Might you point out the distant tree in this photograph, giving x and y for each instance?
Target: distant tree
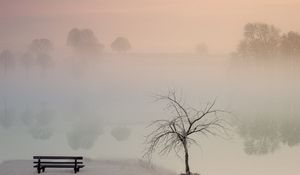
(41, 46)
(41, 50)
(290, 44)
(121, 44)
(84, 41)
(7, 61)
(180, 131)
(201, 49)
(260, 41)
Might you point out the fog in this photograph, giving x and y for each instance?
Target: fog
(78, 78)
(105, 109)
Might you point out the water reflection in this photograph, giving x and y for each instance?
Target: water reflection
(121, 133)
(290, 131)
(39, 124)
(84, 134)
(7, 61)
(6, 115)
(263, 135)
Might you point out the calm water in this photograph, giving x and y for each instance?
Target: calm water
(73, 108)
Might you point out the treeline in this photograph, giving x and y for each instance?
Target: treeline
(85, 42)
(39, 53)
(263, 41)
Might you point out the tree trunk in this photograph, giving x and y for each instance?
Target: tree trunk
(187, 166)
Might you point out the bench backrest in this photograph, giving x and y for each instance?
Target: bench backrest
(59, 157)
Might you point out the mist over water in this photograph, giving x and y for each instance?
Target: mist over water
(100, 106)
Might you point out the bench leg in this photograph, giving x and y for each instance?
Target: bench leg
(44, 169)
(39, 166)
(75, 170)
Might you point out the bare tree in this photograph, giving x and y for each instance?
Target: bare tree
(178, 132)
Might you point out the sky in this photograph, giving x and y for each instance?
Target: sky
(150, 25)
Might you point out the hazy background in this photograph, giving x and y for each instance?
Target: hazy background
(98, 105)
(152, 25)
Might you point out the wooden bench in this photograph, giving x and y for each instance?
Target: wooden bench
(43, 162)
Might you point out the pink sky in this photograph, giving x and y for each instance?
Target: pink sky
(151, 25)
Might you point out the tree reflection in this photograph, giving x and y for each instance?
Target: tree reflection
(264, 135)
(6, 115)
(120, 133)
(84, 134)
(39, 124)
(290, 131)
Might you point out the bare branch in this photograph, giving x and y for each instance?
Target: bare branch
(176, 134)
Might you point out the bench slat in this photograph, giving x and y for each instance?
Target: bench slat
(58, 157)
(59, 166)
(58, 162)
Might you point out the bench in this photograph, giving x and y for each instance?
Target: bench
(43, 162)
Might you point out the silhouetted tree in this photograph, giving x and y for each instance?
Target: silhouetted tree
(41, 50)
(84, 41)
(260, 41)
(121, 44)
(290, 44)
(41, 46)
(7, 61)
(177, 133)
